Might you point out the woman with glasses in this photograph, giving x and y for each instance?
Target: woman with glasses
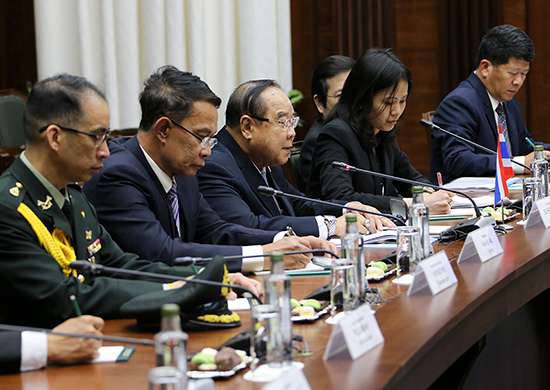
(360, 131)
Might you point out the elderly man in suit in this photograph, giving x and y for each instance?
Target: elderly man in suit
(485, 100)
(147, 194)
(255, 142)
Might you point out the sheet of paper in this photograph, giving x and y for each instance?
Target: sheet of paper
(108, 354)
(238, 304)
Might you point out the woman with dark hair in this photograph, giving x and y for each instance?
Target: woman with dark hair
(360, 131)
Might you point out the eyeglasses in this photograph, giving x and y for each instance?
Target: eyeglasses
(288, 123)
(99, 137)
(206, 142)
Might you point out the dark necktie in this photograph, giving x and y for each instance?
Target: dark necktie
(174, 206)
(264, 174)
(502, 124)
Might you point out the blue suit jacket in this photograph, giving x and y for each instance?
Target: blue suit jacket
(229, 182)
(467, 111)
(133, 206)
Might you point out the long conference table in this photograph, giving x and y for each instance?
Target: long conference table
(488, 331)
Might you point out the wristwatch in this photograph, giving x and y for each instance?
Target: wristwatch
(330, 223)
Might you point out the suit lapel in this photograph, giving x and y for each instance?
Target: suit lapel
(159, 195)
(249, 171)
(488, 108)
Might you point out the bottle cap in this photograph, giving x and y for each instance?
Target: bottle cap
(170, 309)
(539, 148)
(351, 218)
(276, 257)
(417, 189)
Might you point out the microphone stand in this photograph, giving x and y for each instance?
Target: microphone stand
(273, 192)
(98, 269)
(432, 126)
(454, 232)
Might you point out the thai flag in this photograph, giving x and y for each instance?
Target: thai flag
(504, 168)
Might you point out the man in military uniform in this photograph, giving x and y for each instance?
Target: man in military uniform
(46, 221)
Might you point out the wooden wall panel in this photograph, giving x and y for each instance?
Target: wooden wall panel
(324, 27)
(17, 45)
(418, 46)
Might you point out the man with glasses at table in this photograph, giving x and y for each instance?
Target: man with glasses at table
(255, 142)
(147, 195)
(46, 222)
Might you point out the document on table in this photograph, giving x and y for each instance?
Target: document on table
(479, 183)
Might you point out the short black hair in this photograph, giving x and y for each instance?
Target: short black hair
(56, 99)
(504, 42)
(170, 91)
(326, 69)
(375, 71)
(245, 99)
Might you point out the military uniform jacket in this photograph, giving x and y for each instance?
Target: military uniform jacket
(33, 287)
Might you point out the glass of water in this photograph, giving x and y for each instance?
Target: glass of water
(166, 378)
(266, 343)
(343, 294)
(531, 193)
(409, 249)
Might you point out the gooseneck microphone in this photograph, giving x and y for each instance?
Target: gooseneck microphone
(113, 339)
(350, 168)
(98, 269)
(456, 232)
(188, 260)
(273, 192)
(432, 126)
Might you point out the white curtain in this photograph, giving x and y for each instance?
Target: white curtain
(117, 44)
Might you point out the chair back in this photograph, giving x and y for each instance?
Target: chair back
(12, 134)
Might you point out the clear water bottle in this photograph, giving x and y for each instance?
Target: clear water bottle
(420, 218)
(277, 289)
(352, 244)
(539, 167)
(171, 342)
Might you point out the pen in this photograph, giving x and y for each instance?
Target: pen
(290, 232)
(530, 142)
(439, 179)
(75, 305)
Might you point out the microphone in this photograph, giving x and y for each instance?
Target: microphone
(113, 339)
(98, 269)
(273, 192)
(432, 125)
(188, 260)
(450, 234)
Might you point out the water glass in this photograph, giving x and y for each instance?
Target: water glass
(266, 344)
(531, 193)
(343, 288)
(166, 378)
(409, 249)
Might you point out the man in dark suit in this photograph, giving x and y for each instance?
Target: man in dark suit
(25, 351)
(147, 194)
(46, 222)
(255, 142)
(480, 103)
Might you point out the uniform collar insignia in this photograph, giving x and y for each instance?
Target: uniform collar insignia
(45, 204)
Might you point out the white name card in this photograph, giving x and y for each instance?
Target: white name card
(434, 272)
(481, 244)
(355, 334)
(540, 213)
(292, 379)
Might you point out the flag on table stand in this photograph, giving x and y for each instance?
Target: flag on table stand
(504, 169)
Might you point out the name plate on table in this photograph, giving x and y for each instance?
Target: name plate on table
(292, 379)
(434, 272)
(355, 334)
(481, 244)
(540, 213)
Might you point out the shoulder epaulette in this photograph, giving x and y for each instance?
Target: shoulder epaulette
(12, 191)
